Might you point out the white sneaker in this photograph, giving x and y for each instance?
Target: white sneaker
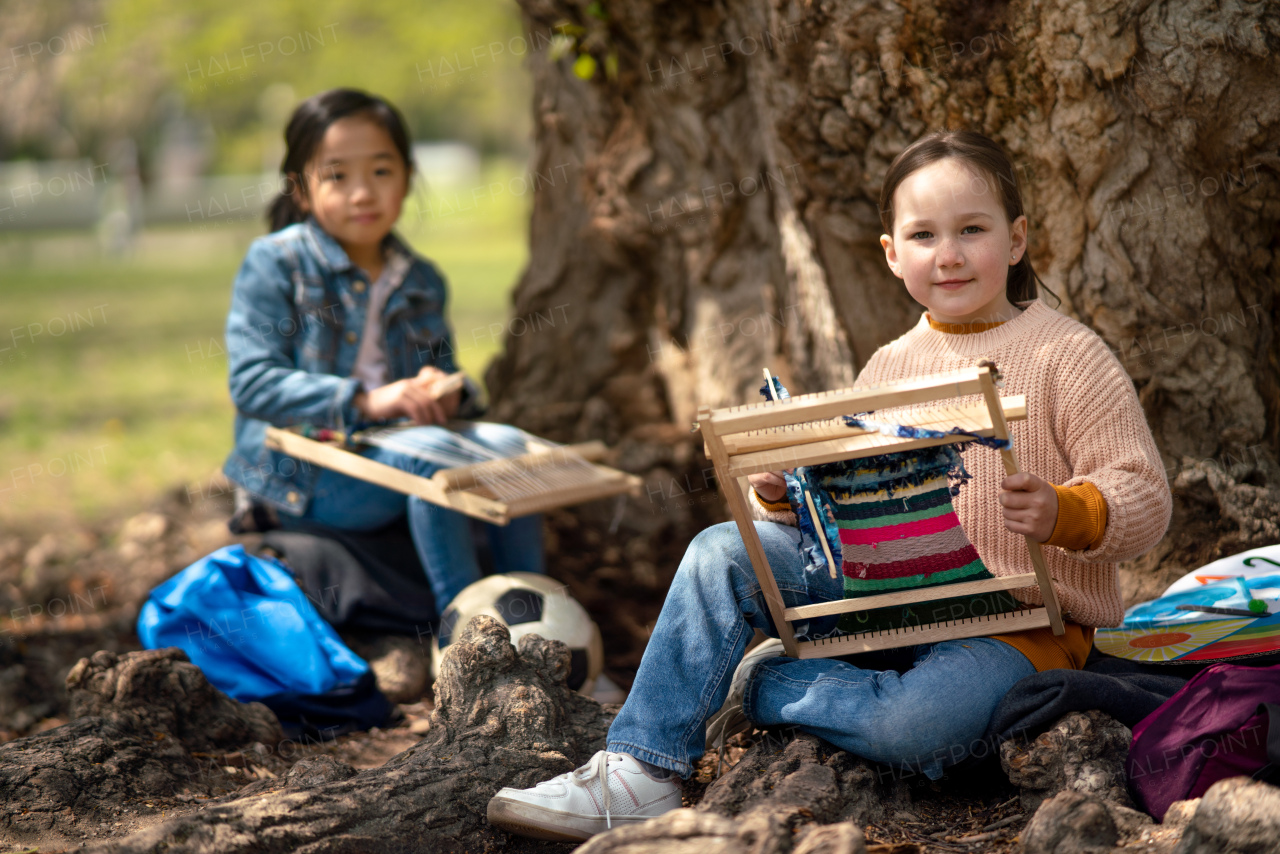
(575, 806)
(730, 719)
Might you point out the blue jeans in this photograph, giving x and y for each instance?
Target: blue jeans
(442, 537)
(930, 716)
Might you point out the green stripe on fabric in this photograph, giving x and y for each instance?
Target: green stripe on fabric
(921, 613)
(861, 506)
(975, 568)
(896, 519)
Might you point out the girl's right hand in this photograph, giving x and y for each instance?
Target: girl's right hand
(408, 398)
(771, 486)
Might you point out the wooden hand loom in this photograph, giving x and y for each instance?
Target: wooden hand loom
(808, 430)
(544, 477)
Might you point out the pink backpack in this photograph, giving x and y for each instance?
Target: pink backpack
(1225, 722)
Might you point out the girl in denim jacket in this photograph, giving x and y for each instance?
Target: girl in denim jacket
(334, 320)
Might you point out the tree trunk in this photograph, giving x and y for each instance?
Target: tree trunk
(719, 213)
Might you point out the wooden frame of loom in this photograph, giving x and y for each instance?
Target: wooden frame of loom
(808, 430)
(462, 488)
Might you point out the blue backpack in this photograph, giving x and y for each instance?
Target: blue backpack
(243, 620)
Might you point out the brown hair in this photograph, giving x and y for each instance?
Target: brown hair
(984, 156)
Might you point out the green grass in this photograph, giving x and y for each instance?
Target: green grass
(129, 399)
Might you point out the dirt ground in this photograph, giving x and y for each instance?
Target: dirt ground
(67, 593)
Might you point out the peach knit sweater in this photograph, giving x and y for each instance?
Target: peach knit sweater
(1084, 425)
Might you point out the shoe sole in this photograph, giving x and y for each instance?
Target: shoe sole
(523, 819)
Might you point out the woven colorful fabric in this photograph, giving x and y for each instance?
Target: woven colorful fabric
(898, 530)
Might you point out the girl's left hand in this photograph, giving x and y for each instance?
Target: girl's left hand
(1030, 505)
(427, 378)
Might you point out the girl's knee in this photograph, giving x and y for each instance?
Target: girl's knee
(942, 734)
(720, 539)
(899, 739)
(716, 556)
(885, 714)
(715, 549)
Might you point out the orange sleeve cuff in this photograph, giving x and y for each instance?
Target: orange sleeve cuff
(782, 506)
(1082, 517)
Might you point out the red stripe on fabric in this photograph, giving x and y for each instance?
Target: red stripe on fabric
(920, 566)
(891, 550)
(918, 528)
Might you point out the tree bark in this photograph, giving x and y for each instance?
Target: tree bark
(720, 213)
(504, 717)
(143, 723)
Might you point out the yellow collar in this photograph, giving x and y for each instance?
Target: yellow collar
(961, 328)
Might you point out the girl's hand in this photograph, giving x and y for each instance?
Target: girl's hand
(408, 398)
(1030, 505)
(769, 485)
(428, 377)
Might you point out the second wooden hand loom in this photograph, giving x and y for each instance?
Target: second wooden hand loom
(537, 477)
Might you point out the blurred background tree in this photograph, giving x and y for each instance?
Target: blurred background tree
(82, 75)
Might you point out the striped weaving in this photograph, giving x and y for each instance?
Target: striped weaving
(898, 530)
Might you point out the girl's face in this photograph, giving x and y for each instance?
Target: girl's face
(356, 184)
(952, 243)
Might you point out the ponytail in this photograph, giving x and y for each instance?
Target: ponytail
(284, 209)
(1023, 282)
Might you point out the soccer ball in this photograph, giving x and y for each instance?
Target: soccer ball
(528, 604)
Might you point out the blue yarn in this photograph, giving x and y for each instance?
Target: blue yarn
(797, 485)
(952, 456)
(908, 432)
(893, 471)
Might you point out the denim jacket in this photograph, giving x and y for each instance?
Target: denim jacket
(293, 332)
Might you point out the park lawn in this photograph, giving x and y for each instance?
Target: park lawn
(114, 385)
(105, 416)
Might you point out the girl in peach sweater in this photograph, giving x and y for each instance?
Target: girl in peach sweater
(1092, 489)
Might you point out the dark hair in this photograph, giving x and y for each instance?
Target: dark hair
(983, 155)
(306, 129)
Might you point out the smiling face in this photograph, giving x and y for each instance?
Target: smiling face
(356, 184)
(952, 243)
